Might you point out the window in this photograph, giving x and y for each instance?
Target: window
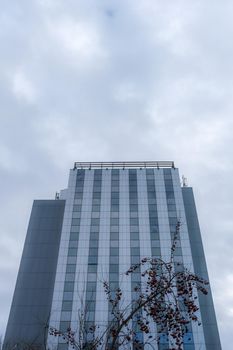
(171, 207)
(150, 177)
(92, 268)
(114, 251)
(171, 201)
(90, 295)
(114, 221)
(133, 221)
(93, 251)
(95, 208)
(114, 214)
(95, 221)
(114, 228)
(68, 286)
(114, 201)
(68, 296)
(133, 182)
(151, 195)
(169, 194)
(134, 244)
(135, 259)
(155, 251)
(91, 277)
(71, 260)
(151, 188)
(77, 208)
(133, 195)
(115, 173)
(172, 214)
(62, 346)
(96, 201)
(114, 244)
(70, 268)
(134, 228)
(72, 251)
(91, 306)
(167, 177)
(114, 235)
(113, 285)
(150, 182)
(67, 305)
(155, 243)
(114, 259)
(115, 182)
(151, 201)
(133, 207)
(114, 207)
(94, 229)
(65, 315)
(135, 251)
(153, 212)
(90, 315)
(133, 214)
(115, 194)
(78, 195)
(94, 236)
(74, 236)
(93, 260)
(114, 268)
(133, 201)
(63, 328)
(76, 214)
(94, 243)
(75, 222)
(91, 286)
(153, 221)
(136, 277)
(113, 277)
(154, 228)
(96, 195)
(154, 235)
(177, 251)
(173, 221)
(134, 235)
(70, 277)
(73, 244)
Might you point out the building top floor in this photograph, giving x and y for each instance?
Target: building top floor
(124, 165)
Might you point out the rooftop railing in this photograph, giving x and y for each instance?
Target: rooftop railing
(124, 165)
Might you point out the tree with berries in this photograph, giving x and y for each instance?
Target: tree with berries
(165, 300)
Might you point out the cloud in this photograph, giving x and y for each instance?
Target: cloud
(78, 40)
(23, 88)
(118, 81)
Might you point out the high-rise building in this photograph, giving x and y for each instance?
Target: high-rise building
(111, 216)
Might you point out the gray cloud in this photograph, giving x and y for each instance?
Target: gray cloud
(127, 80)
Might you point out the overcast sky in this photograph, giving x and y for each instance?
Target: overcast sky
(113, 80)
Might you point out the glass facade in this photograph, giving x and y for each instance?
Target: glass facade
(114, 217)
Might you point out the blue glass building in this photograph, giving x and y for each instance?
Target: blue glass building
(110, 216)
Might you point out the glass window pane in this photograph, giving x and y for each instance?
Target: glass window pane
(68, 286)
(73, 244)
(70, 277)
(68, 296)
(114, 244)
(67, 305)
(70, 268)
(93, 251)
